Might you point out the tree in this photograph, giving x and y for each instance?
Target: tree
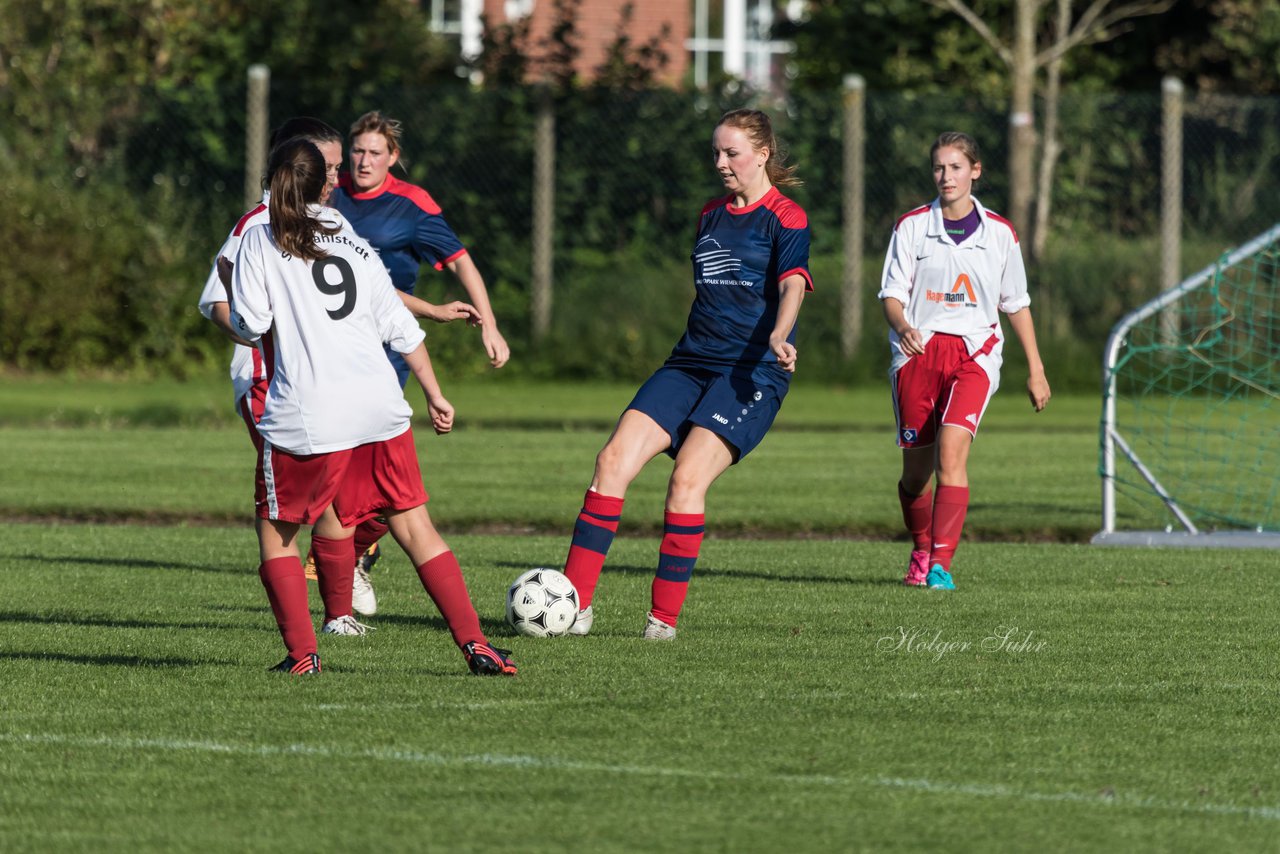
(1224, 45)
(1101, 20)
(86, 76)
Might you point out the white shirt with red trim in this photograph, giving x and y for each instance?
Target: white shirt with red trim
(245, 369)
(320, 326)
(956, 290)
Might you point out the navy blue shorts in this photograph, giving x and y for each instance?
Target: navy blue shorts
(738, 407)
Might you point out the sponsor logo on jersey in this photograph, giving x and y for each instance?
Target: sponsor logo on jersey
(716, 266)
(720, 418)
(961, 294)
(972, 419)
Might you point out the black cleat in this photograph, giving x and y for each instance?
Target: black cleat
(485, 660)
(308, 665)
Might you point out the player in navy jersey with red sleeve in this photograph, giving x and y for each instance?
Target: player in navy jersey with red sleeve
(951, 268)
(717, 394)
(406, 226)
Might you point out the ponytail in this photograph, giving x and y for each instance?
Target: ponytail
(296, 178)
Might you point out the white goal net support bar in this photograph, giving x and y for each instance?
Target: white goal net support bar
(1191, 403)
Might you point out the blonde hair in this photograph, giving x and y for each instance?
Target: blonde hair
(759, 130)
(375, 122)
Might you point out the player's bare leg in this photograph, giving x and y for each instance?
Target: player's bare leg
(635, 441)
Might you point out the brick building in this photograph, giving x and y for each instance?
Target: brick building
(702, 37)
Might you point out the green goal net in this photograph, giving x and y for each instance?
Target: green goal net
(1190, 437)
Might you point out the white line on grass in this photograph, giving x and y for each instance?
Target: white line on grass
(982, 790)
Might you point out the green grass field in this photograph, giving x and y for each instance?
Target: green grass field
(1065, 698)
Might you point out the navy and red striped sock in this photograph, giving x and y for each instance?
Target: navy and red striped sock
(592, 535)
(681, 542)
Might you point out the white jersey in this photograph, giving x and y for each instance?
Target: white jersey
(246, 367)
(955, 289)
(320, 326)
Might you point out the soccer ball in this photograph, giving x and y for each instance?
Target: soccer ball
(542, 603)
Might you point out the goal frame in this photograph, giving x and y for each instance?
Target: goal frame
(1112, 440)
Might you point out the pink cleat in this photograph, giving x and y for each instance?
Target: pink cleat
(917, 569)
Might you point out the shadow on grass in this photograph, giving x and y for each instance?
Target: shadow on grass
(123, 563)
(624, 569)
(108, 660)
(112, 623)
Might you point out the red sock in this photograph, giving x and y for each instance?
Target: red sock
(592, 536)
(681, 541)
(335, 568)
(369, 532)
(287, 591)
(949, 507)
(917, 514)
(442, 577)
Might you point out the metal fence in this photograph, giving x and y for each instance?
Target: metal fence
(632, 170)
(473, 149)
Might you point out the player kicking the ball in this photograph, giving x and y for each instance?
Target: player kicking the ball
(717, 394)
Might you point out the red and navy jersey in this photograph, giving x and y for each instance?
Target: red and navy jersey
(403, 223)
(740, 256)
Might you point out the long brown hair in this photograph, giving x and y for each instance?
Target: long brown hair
(756, 125)
(296, 178)
(961, 142)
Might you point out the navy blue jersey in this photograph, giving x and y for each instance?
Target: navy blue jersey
(403, 223)
(740, 256)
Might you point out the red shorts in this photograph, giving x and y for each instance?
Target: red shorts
(359, 482)
(945, 385)
(251, 406)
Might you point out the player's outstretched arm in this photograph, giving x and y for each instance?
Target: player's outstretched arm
(440, 409)
(450, 311)
(494, 344)
(1037, 382)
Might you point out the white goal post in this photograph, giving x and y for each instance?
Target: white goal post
(1191, 406)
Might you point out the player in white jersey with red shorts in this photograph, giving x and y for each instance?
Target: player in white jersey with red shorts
(951, 266)
(337, 447)
(248, 374)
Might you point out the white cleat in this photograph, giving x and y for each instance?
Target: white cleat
(362, 598)
(346, 625)
(655, 629)
(582, 625)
